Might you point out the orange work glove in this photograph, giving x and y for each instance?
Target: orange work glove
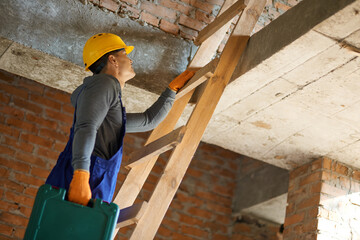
(181, 80)
(79, 190)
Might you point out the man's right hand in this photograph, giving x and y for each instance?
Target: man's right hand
(79, 190)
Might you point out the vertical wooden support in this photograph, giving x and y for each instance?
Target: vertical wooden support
(183, 153)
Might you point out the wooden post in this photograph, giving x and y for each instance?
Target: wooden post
(183, 153)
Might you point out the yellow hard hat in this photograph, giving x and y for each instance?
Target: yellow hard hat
(100, 44)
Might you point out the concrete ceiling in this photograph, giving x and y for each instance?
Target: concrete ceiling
(293, 97)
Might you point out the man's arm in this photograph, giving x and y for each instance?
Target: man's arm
(148, 120)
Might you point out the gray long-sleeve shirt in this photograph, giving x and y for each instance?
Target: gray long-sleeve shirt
(98, 123)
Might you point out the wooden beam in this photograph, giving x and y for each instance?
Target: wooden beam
(200, 76)
(155, 148)
(131, 215)
(220, 21)
(183, 153)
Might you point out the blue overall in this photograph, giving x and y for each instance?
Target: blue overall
(103, 173)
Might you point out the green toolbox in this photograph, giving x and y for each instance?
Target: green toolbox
(55, 218)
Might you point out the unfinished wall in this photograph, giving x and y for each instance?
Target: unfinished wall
(323, 202)
(184, 18)
(35, 121)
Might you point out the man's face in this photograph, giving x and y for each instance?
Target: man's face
(125, 66)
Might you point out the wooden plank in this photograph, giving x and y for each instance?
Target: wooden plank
(131, 215)
(156, 147)
(200, 76)
(183, 153)
(220, 21)
(208, 48)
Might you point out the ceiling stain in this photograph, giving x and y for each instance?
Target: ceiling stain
(261, 124)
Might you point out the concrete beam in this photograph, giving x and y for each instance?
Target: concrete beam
(61, 28)
(258, 183)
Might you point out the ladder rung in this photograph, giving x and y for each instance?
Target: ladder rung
(200, 76)
(220, 21)
(156, 147)
(131, 215)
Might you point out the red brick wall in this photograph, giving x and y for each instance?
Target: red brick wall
(35, 122)
(323, 201)
(185, 18)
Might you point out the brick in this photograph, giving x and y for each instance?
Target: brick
(296, 218)
(58, 95)
(317, 164)
(110, 5)
(13, 90)
(29, 158)
(29, 127)
(242, 227)
(170, 224)
(32, 191)
(312, 178)
(188, 33)
(164, 232)
(46, 142)
(159, 11)
(200, 213)
(151, 19)
(4, 98)
(7, 77)
(16, 165)
(27, 105)
(339, 168)
(204, 17)
(356, 175)
(6, 229)
(298, 172)
(52, 134)
(13, 219)
(226, 220)
(313, 201)
(218, 208)
(54, 115)
(45, 101)
(282, 6)
(29, 179)
(176, 6)
(19, 233)
(127, 10)
(4, 172)
(216, 2)
(40, 172)
(214, 197)
(6, 150)
(332, 190)
(223, 190)
(316, 188)
(216, 227)
(10, 131)
(48, 153)
(188, 199)
(207, 7)
(327, 163)
(132, 2)
(67, 108)
(32, 87)
(18, 145)
(191, 23)
(190, 220)
(11, 111)
(194, 231)
(312, 213)
(9, 184)
(40, 121)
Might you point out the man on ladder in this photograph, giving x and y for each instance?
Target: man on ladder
(89, 165)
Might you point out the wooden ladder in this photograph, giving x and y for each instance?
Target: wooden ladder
(185, 140)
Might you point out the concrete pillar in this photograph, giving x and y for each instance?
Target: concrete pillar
(323, 202)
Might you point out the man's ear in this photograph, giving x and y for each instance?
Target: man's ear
(112, 60)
